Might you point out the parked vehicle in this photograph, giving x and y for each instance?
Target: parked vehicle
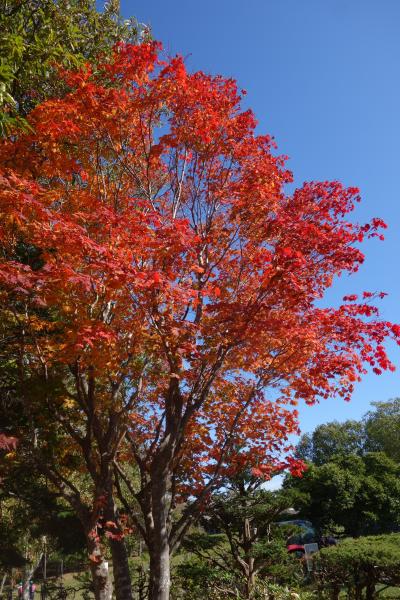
(307, 535)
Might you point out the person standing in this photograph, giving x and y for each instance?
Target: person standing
(32, 590)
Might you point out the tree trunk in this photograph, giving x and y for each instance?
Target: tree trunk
(358, 591)
(121, 573)
(335, 593)
(159, 574)
(160, 581)
(102, 586)
(248, 545)
(370, 593)
(28, 577)
(2, 584)
(250, 583)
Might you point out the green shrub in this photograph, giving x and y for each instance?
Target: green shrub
(359, 565)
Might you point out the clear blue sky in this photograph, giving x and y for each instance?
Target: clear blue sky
(323, 77)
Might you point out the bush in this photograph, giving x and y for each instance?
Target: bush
(359, 565)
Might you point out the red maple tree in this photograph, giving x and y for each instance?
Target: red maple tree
(179, 283)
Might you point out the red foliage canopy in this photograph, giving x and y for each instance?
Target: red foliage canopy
(174, 265)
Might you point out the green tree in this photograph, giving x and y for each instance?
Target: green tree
(361, 494)
(38, 34)
(378, 431)
(382, 427)
(330, 439)
(241, 541)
